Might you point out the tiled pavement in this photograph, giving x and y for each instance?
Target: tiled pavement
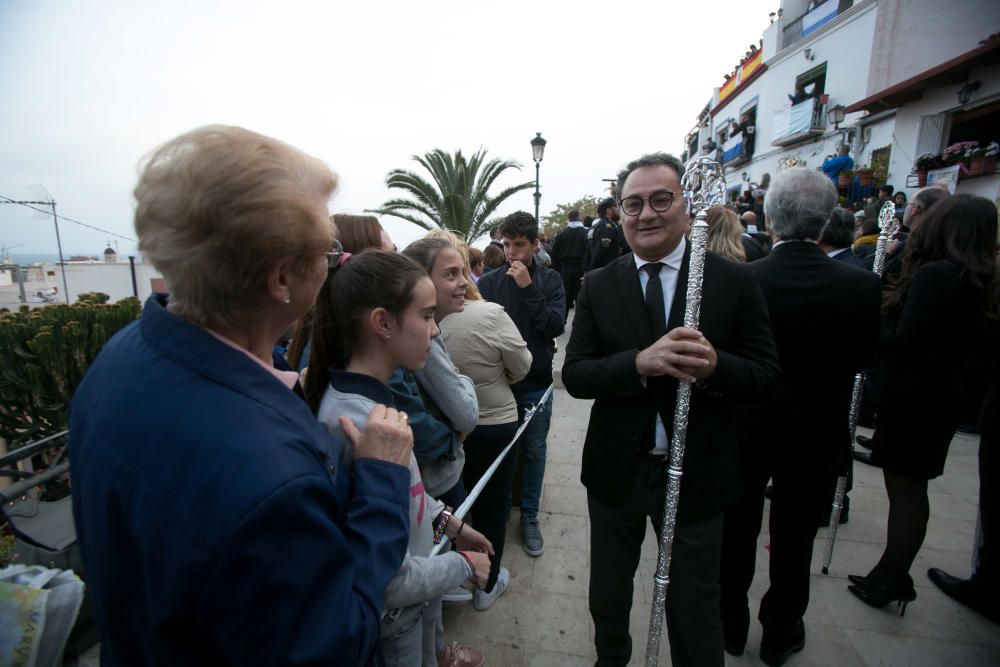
(543, 619)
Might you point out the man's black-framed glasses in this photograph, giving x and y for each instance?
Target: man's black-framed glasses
(660, 201)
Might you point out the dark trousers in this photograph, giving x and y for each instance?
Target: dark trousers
(571, 273)
(800, 494)
(490, 511)
(692, 608)
(987, 573)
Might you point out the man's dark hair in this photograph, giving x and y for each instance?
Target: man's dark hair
(870, 227)
(603, 207)
(887, 189)
(588, 220)
(519, 223)
(649, 160)
(838, 232)
(573, 215)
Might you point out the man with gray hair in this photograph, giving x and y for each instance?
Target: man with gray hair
(825, 316)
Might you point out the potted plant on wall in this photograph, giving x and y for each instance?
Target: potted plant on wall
(983, 159)
(925, 163)
(866, 176)
(845, 178)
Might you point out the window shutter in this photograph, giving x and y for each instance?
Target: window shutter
(930, 137)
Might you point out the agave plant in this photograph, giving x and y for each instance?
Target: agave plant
(46, 352)
(457, 197)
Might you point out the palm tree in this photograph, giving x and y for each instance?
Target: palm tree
(458, 199)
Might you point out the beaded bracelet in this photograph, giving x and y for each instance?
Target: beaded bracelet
(441, 523)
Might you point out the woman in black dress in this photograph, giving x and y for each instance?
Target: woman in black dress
(935, 327)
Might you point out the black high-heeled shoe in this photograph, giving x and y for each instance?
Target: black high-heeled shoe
(860, 579)
(878, 595)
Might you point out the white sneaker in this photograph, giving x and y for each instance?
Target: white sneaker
(482, 600)
(457, 594)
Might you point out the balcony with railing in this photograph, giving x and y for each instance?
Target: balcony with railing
(799, 122)
(812, 20)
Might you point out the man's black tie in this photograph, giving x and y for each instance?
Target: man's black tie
(654, 300)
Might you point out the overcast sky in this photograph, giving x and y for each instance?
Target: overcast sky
(90, 87)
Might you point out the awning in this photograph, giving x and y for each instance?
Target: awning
(952, 71)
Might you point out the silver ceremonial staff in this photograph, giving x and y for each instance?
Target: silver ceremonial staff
(704, 185)
(888, 226)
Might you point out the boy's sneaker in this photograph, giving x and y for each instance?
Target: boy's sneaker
(482, 600)
(457, 594)
(456, 655)
(531, 537)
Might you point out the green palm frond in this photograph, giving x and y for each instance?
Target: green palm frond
(457, 196)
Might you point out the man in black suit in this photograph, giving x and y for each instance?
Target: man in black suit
(825, 316)
(628, 350)
(837, 236)
(567, 256)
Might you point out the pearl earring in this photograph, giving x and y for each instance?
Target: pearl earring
(287, 300)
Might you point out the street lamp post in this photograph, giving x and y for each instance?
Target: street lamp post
(537, 152)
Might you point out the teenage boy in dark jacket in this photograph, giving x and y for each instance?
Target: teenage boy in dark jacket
(534, 297)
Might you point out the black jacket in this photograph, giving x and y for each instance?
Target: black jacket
(537, 310)
(609, 329)
(569, 247)
(825, 316)
(605, 243)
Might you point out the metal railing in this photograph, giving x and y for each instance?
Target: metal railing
(792, 32)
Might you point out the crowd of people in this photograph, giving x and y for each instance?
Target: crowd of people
(239, 504)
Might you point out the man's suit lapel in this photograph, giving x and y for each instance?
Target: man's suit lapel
(630, 291)
(676, 318)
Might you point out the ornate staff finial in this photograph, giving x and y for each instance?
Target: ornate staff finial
(704, 184)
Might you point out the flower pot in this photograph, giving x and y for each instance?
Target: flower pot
(866, 178)
(921, 179)
(843, 180)
(975, 166)
(990, 164)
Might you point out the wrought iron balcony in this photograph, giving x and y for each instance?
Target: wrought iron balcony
(794, 31)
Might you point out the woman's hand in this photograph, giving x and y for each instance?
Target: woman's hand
(468, 538)
(480, 563)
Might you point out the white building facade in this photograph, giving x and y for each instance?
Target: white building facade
(892, 67)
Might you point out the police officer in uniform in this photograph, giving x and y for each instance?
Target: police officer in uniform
(605, 240)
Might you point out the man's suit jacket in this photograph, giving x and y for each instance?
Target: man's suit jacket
(847, 255)
(825, 316)
(609, 329)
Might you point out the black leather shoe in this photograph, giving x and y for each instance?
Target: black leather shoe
(865, 457)
(864, 441)
(776, 648)
(735, 649)
(965, 592)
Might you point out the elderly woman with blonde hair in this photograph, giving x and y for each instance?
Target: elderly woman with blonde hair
(215, 520)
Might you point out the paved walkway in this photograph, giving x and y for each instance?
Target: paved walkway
(543, 619)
